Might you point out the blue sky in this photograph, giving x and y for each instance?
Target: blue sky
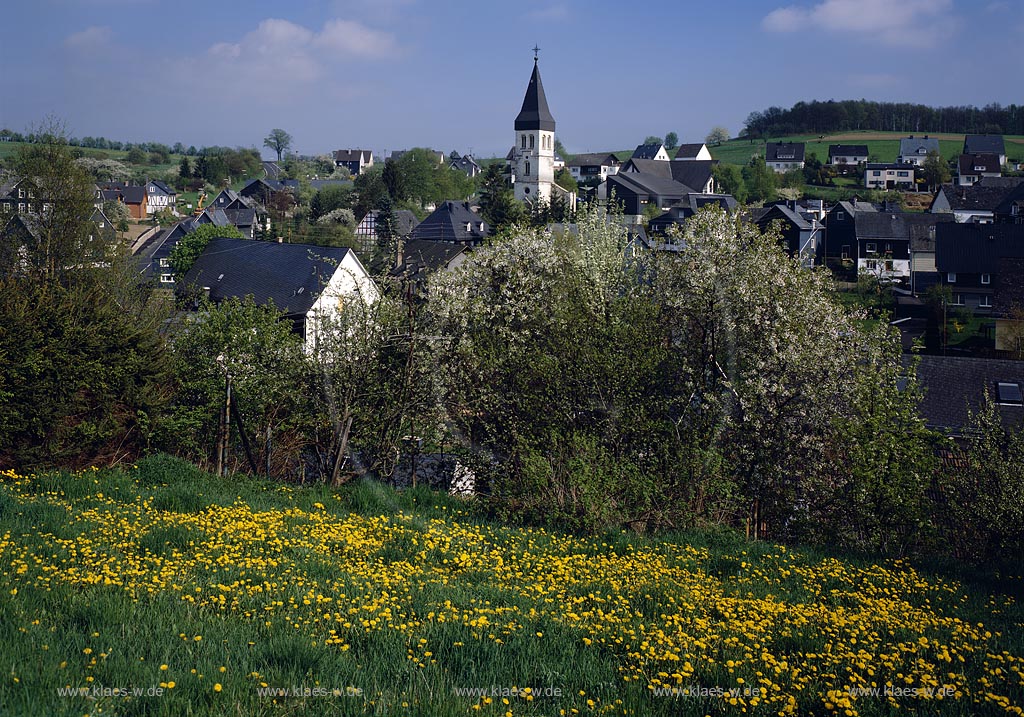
(450, 74)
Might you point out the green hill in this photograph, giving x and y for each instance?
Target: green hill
(232, 596)
(883, 145)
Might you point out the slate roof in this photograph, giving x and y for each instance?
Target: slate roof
(984, 195)
(647, 151)
(689, 150)
(648, 183)
(984, 144)
(162, 187)
(917, 146)
(693, 173)
(922, 234)
(291, 275)
(596, 159)
(847, 150)
(422, 256)
(784, 152)
(690, 205)
(901, 226)
(976, 248)
(953, 385)
(787, 212)
(534, 113)
(1014, 196)
(352, 155)
(129, 193)
(448, 223)
(979, 163)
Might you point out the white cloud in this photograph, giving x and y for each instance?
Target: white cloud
(909, 23)
(280, 61)
(349, 37)
(89, 40)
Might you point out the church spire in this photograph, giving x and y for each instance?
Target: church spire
(535, 114)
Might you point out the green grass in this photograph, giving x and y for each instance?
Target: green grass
(884, 145)
(162, 573)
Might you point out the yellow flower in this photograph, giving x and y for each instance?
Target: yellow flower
(217, 687)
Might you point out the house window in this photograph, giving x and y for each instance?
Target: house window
(986, 301)
(951, 277)
(902, 174)
(21, 206)
(876, 173)
(167, 278)
(469, 226)
(21, 194)
(871, 248)
(957, 300)
(164, 263)
(871, 264)
(846, 251)
(986, 278)
(840, 216)
(7, 206)
(102, 225)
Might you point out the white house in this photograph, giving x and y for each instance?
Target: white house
(914, 150)
(693, 152)
(305, 282)
(781, 157)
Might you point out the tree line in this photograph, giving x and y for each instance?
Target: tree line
(818, 117)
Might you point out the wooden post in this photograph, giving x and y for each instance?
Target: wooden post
(227, 422)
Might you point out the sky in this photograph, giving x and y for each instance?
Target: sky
(451, 74)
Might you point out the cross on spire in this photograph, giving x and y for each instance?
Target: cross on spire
(535, 51)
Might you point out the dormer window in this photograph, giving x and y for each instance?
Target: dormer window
(469, 226)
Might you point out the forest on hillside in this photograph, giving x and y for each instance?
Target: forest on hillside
(817, 117)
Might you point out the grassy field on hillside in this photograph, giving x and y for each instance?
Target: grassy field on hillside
(884, 145)
(236, 597)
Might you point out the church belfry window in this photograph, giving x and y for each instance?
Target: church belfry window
(524, 141)
(531, 141)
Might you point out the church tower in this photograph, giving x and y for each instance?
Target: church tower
(534, 148)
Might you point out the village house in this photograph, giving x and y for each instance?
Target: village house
(781, 157)
(306, 282)
(847, 156)
(914, 150)
(356, 161)
(972, 167)
(986, 144)
(881, 176)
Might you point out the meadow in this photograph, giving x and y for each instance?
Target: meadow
(883, 145)
(236, 596)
